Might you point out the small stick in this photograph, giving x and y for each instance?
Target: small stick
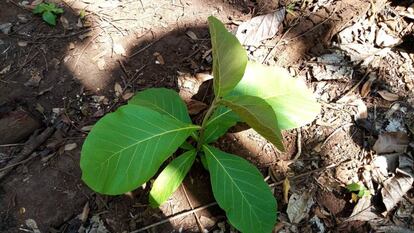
(24, 64)
(13, 144)
(307, 173)
(18, 163)
(348, 93)
(200, 227)
(171, 218)
(299, 145)
(335, 132)
(31, 145)
(84, 48)
(144, 48)
(64, 36)
(121, 64)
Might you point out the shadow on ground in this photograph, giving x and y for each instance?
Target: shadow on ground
(72, 80)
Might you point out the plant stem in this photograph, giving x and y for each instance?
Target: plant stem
(210, 111)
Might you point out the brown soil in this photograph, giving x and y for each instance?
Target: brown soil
(65, 76)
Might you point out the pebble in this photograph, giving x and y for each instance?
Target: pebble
(5, 28)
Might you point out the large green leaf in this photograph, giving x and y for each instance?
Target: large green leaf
(229, 58)
(170, 178)
(259, 115)
(220, 121)
(241, 192)
(164, 101)
(291, 100)
(126, 148)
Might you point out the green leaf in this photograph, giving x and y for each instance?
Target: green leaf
(220, 121)
(49, 18)
(229, 58)
(126, 148)
(204, 161)
(55, 9)
(241, 192)
(259, 115)
(170, 178)
(353, 187)
(290, 99)
(164, 101)
(40, 8)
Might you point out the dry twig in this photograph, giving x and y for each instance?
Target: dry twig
(34, 142)
(177, 216)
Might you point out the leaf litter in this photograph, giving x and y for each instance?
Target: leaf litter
(261, 27)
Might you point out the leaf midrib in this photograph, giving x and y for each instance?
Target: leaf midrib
(223, 167)
(254, 116)
(146, 139)
(161, 109)
(217, 117)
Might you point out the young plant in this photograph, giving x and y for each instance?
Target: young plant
(49, 11)
(126, 148)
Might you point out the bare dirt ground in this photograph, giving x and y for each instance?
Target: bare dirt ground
(55, 82)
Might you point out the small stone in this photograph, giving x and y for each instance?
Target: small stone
(5, 28)
(22, 43)
(23, 18)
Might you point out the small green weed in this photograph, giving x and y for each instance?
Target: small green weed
(49, 11)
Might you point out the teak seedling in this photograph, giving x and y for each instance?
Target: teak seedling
(126, 148)
(48, 12)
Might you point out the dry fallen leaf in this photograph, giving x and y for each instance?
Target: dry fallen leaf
(391, 142)
(192, 35)
(299, 206)
(388, 95)
(195, 107)
(36, 2)
(71, 146)
(87, 128)
(362, 109)
(260, 28)
(395, 188)
(40, 108)
(32, 225)
(65, 22)
(366, 88)
(118, 89)
(85, 213)
(127, 95)
(363, 210)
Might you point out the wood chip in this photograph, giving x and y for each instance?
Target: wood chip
(71, 146)
(388, 95)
